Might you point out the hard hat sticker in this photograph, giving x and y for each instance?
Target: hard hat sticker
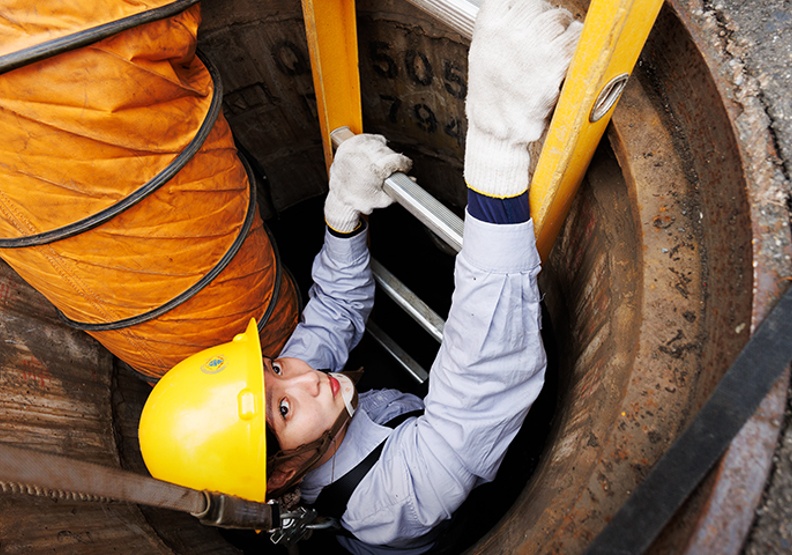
(214, 365)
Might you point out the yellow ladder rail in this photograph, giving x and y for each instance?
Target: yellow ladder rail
(331, 30)
(614, 33)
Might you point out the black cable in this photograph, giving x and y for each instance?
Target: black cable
(175, 165)
(85, 37)
(278, 278)
(191, 291)
(90, 36)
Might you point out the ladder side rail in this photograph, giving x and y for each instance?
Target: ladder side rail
(408, 301)
(401, 356)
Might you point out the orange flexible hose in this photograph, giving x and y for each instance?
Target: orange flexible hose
(86, 128)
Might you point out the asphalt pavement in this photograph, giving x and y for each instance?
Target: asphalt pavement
(757, 36)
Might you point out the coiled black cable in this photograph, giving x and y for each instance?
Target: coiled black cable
(90, 36)
(90, 222)
(201, 283)
(53, 47)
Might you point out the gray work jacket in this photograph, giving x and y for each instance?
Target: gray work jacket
(487, 374)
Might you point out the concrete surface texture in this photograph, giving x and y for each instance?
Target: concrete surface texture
(756, 42)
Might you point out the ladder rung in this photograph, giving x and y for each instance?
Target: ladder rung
(406, 361)
(427, 318)
(457, 14)
(427, 209)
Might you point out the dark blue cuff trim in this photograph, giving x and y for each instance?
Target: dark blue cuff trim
(362, 225)
(512, 210)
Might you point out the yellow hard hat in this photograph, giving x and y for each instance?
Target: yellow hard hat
(203, 425)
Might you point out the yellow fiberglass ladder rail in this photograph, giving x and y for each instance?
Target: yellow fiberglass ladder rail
(613, 35)
(331, 30)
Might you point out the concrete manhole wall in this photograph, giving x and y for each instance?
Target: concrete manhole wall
(676, 248)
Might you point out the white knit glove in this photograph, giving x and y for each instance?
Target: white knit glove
(360, 166)
(519, 55)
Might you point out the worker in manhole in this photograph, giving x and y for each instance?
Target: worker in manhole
(391, 467)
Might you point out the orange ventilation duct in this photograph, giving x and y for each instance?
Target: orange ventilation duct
(122, 198)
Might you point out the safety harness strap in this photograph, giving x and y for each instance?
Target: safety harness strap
(333, 500)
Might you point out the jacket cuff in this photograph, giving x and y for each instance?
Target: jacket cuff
(347, 246)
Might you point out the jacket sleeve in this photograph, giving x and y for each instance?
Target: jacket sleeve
(487, 374)
(340, 301)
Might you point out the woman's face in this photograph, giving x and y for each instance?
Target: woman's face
(302, 403)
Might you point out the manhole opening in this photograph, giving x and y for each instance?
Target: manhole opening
(404, 247)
